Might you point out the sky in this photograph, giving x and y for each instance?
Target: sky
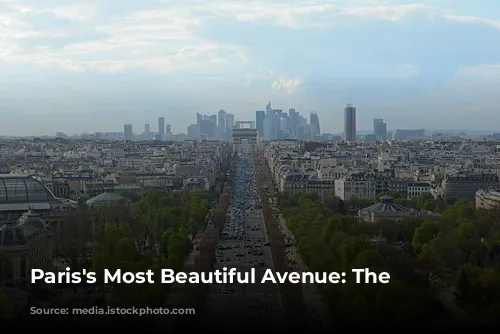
(94, 65)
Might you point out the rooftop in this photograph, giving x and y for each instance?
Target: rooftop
(20, 192)
(20, 232)
(386, 205)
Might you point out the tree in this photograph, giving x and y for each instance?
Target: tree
(494, 254)
(425, 233)
(125, 250)
(468, 283)
(131, 195)
(430, 263)
(490, 281)
(5, 267)
(334, 205)
(106, 254)
(420, 200)
(115, 214)
(447, 249)
(179, 246)
(390, 297)
(142, 230)
(349, 250)
(76, 233)
(369, 258)
(5, 307)
(165, 238)
(463, 244)
(466, 230)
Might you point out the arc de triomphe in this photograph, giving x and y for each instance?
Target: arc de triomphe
(240, 133)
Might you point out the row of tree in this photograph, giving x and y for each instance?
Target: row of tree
(291, 294)
(152, 231)
(459, 249)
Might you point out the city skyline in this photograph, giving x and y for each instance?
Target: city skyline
(94, 66)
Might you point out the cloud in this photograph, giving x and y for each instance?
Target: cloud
(309, 14)
(471, 19)
(390, 12)
(76, 13)
(290, 85)
(149, 39)
(406, 71)
(167, 36)
(479, 73)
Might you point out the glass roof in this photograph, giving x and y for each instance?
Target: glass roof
(23, 190)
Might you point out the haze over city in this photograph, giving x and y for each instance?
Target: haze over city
(93, 66)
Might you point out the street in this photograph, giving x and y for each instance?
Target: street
(244, 245)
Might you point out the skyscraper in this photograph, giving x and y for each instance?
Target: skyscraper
(127, 131)
(146, 129)
(229, 123)
(193, 132)
(161, 127)
(213, 132)
(315, 128)
(260, 116)
(222, 124)
(350, 123)
(380, 128)
(169, 129)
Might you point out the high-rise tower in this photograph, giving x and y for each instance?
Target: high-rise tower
(222, 124)
(127, 131)
(380, 128)
(161, 127)
(315, 128)
(350, 123)
(260, 117)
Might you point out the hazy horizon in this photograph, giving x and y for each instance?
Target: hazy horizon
(92, 66)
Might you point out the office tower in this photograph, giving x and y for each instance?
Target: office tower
(213, 133)
(161, 127)
(314, 121)
(168, 129)
(260, 117)
(301, 128)
(268, 107)
(222, 124)
(229, 121)
(199, 118)
(350, 123)
(146, 129)
(127, 131)
(272, 122)
(207, 128)
(293, 122)
(193, 132)
(379, 128)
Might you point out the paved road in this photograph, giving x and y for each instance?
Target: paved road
(243, 245)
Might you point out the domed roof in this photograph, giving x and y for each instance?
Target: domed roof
(23, 189)
(386, 205)
(32, 221)
(12, 234)
(386, 199)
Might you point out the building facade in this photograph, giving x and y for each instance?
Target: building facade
(350, 123)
